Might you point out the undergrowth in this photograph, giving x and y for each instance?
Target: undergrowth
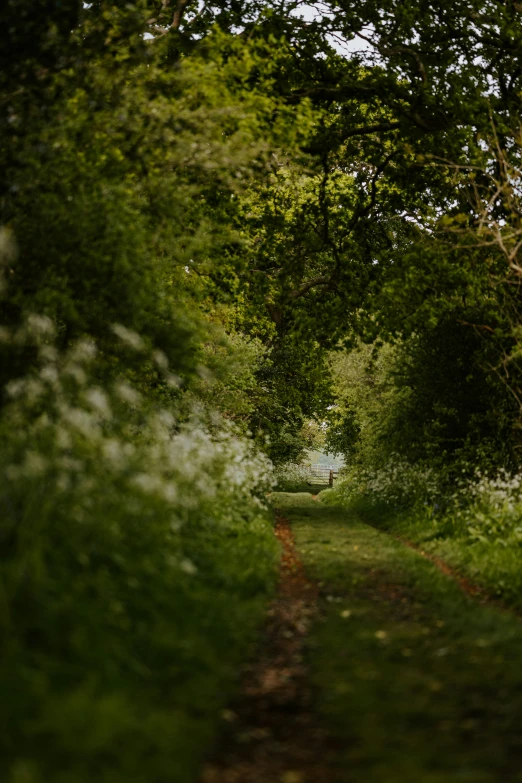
(474, 522)
(137, 552)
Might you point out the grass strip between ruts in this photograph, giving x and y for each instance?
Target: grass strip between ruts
(416, 681)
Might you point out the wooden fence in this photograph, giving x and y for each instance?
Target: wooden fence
(325, 473)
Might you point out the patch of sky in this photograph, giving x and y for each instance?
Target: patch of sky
(324, 459)
(319, 12)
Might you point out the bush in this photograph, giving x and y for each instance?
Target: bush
(396, 483)
(291, 476)
(136, 554)
(488, 508)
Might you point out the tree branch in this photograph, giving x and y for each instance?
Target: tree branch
(305, 287)
(476, 326)
(364, 210)
(180, 9)
(375, 128)
(178, 14)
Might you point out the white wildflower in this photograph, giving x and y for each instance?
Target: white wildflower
(83, 351)
(170, 492)
(48, 353)
(129, 449)
(173, 381)
(16, 388)
(160, 360)
(98, 400)
(42, 423)
(80, 420)
(70, 464)
(127, 336)
(188, 567)
(63, 438)
(146, 482)
(164, 418)
(76, 371)
(34, 389)
(204, 373)
(63, 482)
(39, 326)
(49, 375)
(127, 394)
(13, 472)
(8, 245)
(113, 453)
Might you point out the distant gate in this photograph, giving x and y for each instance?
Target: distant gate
(324, 473)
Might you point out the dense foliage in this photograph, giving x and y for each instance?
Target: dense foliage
(135, 561)
(221, 224)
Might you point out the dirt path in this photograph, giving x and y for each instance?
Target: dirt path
(412, 681)
(466, 585)
(274, 735)
(417, 678)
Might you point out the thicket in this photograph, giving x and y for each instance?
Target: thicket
(136, 554)
(136, 545)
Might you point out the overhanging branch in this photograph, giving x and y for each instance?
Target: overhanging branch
(309, 284)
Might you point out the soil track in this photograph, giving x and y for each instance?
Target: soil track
(465, 585)
(274, 735)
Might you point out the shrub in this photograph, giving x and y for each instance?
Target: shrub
(396, 483)
(480, 507)
(488, 508)
(136, 552)
(290, 476)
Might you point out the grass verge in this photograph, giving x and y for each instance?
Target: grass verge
(493, 565)
(416, 681)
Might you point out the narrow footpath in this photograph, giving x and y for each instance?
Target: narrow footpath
(274, 735)
(376, 666)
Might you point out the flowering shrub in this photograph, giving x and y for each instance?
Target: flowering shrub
(489, 508)
(396, 483)
(291, 475)
(486, 508)
(136, 551)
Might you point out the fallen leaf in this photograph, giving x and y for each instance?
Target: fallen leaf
(292, 776)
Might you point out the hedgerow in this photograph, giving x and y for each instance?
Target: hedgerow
(136, 555)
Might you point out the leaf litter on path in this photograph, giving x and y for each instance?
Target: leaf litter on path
(275, 735)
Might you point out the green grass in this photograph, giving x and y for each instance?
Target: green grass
(416, 682)
(314, 488)
(493, 565)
